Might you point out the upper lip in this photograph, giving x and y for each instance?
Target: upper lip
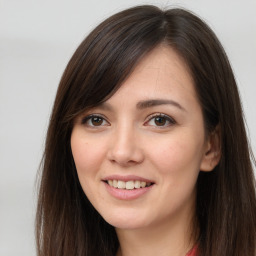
(126, 178)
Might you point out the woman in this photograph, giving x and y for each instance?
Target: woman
(146, 151)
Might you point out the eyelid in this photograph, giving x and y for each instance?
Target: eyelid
(148, 119)
(88, 117)
(168, 118)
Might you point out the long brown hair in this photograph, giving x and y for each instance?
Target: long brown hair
(66, 222)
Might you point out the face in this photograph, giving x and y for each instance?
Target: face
(138, 154)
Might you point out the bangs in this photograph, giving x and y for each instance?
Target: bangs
(108, 56)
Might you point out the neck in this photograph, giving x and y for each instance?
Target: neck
(171, 237)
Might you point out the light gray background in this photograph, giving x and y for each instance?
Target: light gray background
(37, 38)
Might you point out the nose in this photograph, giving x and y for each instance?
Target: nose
(125, 148)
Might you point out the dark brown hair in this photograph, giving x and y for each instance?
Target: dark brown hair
(66, 222)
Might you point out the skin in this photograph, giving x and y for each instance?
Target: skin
(130, 140)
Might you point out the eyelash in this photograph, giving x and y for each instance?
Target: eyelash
(167, 118)
(89, 118)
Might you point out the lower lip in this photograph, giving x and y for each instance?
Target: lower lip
(127, 194)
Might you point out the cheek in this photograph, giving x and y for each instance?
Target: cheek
(87, 156)
(178, 154)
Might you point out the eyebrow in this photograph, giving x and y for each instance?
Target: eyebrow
(158, 102)
(146, 104)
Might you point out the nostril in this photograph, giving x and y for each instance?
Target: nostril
(125, 152)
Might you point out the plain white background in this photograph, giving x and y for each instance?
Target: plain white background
(37, 38)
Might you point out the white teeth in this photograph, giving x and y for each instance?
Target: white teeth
(128, 184)
(143, 184)
(114, 183)
(120, 184)
(137, 184)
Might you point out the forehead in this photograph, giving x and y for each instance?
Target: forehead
(162, 73)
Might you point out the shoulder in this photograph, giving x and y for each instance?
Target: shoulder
(192, 252)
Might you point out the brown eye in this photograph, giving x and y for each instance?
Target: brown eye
(96, 121)
(160, 121)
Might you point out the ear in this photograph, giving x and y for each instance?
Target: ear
(212, 153)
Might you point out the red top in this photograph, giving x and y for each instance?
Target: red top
(192, 252)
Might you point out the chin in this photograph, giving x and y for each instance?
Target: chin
(126, 221)
(126, 225)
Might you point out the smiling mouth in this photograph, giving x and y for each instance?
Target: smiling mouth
(129, 185)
